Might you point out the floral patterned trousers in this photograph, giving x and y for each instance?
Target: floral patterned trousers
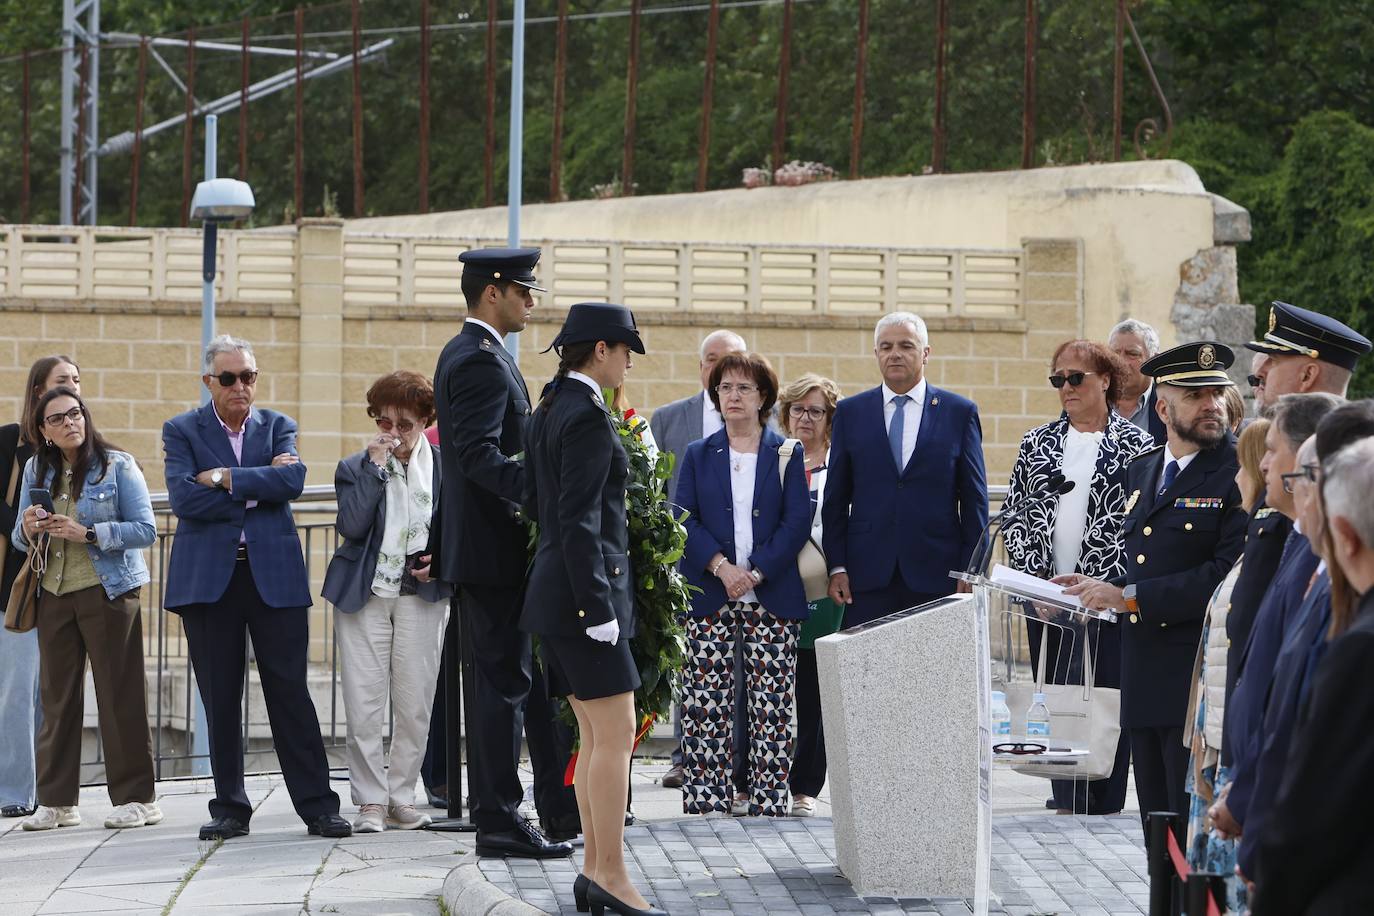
(770, 666)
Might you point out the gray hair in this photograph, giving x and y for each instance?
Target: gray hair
(910, 318)
(224, 343)
(1348, 485)
(1297, 415)
(1148, 335)
(722, 334)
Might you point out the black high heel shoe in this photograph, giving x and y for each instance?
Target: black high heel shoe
(580, 885)
(599, 901)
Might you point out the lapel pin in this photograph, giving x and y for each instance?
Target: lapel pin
(1130, 503)
(934, 401)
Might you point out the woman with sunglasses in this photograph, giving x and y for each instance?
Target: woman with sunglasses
(91, 541)
(1080, 531)
(389, 615)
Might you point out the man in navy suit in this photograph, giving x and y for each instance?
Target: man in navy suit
(237, 570)
(906, 496)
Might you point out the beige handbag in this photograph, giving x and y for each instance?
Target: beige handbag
(815, 574)
(21, 613)
(1081, 716)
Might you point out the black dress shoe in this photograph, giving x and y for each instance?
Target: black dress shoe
(438, 796)
(330, 825)
(16, 811)
(629, 818)
(580, 885)
(599, 901)
(223, 828)
(523, 842)
(674, 778)
(561, 829)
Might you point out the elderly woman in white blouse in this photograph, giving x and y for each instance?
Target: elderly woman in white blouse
(1080, 531)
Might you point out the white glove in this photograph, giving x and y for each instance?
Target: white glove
(607, 632)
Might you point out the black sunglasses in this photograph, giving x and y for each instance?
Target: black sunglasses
(227, 379)
(1254, 380)
(1073, 378)
(1018, 747)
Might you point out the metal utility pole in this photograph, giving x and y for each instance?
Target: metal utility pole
(517, 144)
(79, 114)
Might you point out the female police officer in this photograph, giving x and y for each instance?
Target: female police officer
(580, 596)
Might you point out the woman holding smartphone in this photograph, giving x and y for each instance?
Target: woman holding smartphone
(389, 615)
(97, 519)
(580, 596)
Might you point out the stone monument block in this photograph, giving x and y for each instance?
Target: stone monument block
(908, 783)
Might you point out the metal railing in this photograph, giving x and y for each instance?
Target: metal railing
(173, 700)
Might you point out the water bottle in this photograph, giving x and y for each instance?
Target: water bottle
(1001, 718)
(1038, 718)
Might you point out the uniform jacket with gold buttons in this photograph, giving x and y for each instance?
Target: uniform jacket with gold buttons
(1179, 546)
(575, 480)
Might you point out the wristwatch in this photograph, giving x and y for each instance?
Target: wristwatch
(1128, 594)
(90, 535)
(217, 476)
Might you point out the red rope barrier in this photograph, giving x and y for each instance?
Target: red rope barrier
(1181, 866)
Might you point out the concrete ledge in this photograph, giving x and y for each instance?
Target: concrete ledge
(467, 892)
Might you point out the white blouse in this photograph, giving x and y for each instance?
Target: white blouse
(743, 466)
(1071, 514)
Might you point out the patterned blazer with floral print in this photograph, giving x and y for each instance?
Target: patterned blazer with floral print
(1029, 539)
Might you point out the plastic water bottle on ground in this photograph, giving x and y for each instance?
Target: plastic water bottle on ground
(1001, 718)
(1038, 718)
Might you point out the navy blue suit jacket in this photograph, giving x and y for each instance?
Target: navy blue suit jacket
(922, 520)
(782, 523)
(210, 519)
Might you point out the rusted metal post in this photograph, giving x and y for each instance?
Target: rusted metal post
(1028, 100)
(489, 154)
(299, 196)
(188, 130)
(424, 106)
(627, 171)
(243, 101)
(1118, 78)
(138, 131)
(860, 70)
(357, 113)
(937, 149)
(784, 71)
(560, 76)
(708, 93)
(24, 188)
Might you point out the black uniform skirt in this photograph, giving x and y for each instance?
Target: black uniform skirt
(582, 667)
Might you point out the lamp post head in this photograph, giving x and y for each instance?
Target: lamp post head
(221, 200)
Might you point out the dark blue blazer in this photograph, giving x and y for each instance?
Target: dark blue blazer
(782, 523)
(922, 520)
(209, 520)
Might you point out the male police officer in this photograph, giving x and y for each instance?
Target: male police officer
(1183, 530)
(483, 407)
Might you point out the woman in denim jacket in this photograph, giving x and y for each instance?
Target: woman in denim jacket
(88, 605)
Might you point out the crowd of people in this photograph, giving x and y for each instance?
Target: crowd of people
(1236, 551)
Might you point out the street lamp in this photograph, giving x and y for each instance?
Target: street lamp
(217, 200)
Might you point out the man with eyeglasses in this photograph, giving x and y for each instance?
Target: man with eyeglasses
(1295, 418)
(1183, 531)
(906, 494)
(236, 571)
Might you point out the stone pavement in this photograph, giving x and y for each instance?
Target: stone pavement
(1042, 863)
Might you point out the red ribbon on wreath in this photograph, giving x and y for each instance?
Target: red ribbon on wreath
(644, 728)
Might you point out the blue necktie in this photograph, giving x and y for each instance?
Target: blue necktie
(898, 427)
(1170, 472)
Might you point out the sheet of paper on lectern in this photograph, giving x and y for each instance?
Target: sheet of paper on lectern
(1031, 585)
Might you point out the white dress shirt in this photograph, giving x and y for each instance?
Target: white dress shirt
(1182, 463)
(500, 338)
(589, 382)
(911, 418)
(711, 421)
(1071, 512)
(743, 466)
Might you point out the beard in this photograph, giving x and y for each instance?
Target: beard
(1197, 435)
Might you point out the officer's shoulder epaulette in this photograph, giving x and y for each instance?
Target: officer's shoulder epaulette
(1148, 451)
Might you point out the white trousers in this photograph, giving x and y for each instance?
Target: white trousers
(391, 644)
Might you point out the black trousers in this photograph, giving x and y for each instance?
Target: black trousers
(896, 596)
(808, 760)
(550, 741)
(434, 768)
(1161, 766)
(216, 636)
(500, 689)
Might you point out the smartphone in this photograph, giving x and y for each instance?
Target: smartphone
(39, 496)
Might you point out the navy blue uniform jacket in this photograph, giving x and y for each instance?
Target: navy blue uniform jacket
(210, 519)
(924, 519)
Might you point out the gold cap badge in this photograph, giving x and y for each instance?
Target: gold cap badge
(1207, 355)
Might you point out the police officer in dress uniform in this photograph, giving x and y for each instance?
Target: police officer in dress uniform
(1305, 351)
(1183, 530)
(481, 542)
